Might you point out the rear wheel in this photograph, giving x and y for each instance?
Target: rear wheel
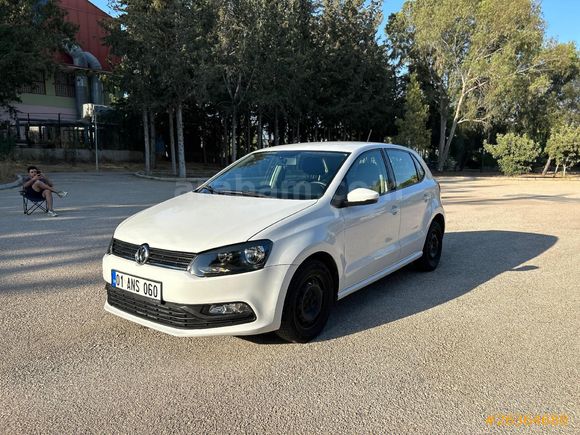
(431, 249)
(308, 302)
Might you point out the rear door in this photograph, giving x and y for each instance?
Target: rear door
(370, 231)
(414, 201)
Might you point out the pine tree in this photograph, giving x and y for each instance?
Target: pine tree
(412, 130)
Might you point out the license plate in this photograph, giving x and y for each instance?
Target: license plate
(136, 285)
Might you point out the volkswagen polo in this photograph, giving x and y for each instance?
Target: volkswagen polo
(273, 240)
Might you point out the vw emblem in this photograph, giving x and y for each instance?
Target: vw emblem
(142, 254)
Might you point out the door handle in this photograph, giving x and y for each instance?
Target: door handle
(426, 197)
(395, 209)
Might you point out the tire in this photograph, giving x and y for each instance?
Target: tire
(308, 303)
(431, 249)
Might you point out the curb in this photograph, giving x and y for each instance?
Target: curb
(16, 183)
(174, 179)
(504, 177)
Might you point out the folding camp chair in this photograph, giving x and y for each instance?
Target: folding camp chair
(31, 204)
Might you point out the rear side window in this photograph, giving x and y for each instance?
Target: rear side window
(403, 167)
(419, 167)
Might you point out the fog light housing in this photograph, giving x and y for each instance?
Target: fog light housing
(238, 308)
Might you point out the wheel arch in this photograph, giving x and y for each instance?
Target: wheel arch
(328, 261)
(440, 219)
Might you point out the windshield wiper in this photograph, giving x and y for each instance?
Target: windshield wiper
(240, 193)
(213, 191)
(208, 188)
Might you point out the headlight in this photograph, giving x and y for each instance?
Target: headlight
(110, 248)
(228, 260)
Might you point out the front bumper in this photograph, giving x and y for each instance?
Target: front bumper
(170, 314)
(182, 295)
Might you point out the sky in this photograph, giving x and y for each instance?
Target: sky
(562, 17)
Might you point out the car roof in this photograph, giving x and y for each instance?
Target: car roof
(348, 147)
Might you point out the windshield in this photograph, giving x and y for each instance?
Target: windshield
(279, 174)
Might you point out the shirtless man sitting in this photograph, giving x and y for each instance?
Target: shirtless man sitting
(38, 186)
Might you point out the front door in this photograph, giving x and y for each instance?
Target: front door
(370, 231)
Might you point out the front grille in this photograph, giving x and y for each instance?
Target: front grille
(170, 314)
(157, 257)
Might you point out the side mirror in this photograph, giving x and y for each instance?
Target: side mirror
(361, 196)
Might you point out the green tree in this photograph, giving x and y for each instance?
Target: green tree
(286, 57)
(354, 88)
(564, 146)
(184, 40)
(235, 57)
(30, 33)
(514, 153)
(412, 131)
(474, 50)
(164, 48)
(136, 75)
(543, 99)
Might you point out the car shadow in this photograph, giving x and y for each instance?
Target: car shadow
(469, 259)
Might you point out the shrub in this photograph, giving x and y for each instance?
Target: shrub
(6, 146)
(564, 146)
(514, 153)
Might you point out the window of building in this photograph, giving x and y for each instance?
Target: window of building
(64, 84)
(36, 87)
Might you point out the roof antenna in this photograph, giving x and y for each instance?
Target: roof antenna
(369, 136)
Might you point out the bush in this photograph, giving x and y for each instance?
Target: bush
(6, 146)
(564, 146)
(514, 154)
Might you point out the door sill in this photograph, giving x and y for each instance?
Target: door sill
(379, 275)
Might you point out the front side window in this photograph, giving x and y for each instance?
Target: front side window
(368, 171)
(403, 167)
(279, 174)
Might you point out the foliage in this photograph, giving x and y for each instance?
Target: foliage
(355, 83)
(545, 97)
(235, 57)
(412, 131)
(308, 70)
(31, 32)
(302, 69)
(6, 145)
(564, 145)
(514, 153)
(164, 48)
(472, 50)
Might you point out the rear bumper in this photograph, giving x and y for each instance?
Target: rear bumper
(183, 296)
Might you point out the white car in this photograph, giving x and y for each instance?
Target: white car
(273, 240)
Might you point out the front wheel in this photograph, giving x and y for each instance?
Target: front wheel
(431, 249)
(308, 303)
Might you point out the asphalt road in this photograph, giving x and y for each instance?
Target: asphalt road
(494, 331)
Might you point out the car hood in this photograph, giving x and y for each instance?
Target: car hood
(196, 222)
